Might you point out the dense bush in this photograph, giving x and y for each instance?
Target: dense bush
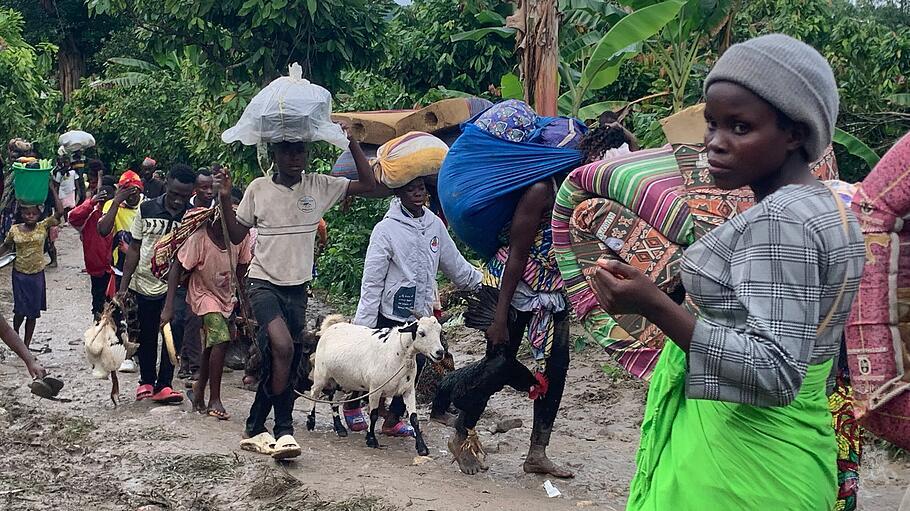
(130, 123)
(870, 58)
(28, 101)
(421, 55)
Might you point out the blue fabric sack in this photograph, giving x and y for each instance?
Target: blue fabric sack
(482, 178)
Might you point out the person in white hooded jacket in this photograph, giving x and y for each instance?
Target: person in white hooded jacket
(407, 248)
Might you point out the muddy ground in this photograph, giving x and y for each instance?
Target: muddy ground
(85, 454)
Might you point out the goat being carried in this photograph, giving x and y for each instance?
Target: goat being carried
(379, 361)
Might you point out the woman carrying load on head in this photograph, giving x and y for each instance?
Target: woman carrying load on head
(522, 290)
(9, 206)
(737, 415)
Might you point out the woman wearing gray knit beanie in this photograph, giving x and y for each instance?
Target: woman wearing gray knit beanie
(737, 414)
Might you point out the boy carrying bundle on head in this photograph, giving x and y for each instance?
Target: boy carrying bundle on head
(285, 208)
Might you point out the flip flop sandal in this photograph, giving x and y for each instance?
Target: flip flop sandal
(222, 416)
(41, 388)
(355, 419)
(263, 443)
(285, 448)
(167, 395)
(55, 384)
(400, 429)
(144, 392)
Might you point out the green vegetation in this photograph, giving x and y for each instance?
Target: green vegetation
(165, 78)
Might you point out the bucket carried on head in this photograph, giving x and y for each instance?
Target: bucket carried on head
(32, 183)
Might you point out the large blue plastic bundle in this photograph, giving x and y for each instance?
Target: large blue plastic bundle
(482, 177)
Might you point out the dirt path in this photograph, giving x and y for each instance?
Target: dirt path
(86, 455)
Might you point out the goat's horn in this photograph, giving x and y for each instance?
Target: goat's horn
(415, 314)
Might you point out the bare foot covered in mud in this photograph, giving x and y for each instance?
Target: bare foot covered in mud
(537, 462)
(197, 398)
(216, 409)
(468, 453)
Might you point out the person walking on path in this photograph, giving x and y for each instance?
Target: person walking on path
(96, 249)
(285, 208)
(29, 284)
(407, 248)
(211, 296)
(737, 414)
(154, 219)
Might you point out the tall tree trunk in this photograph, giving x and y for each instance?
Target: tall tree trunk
(71, 66)
(70, 62)
(537, 44)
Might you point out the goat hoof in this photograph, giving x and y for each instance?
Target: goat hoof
(423, 451)
(372, 442)
(341, 432)
(310, 424)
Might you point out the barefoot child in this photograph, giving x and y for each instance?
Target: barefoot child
(29, 288)
(210, 296)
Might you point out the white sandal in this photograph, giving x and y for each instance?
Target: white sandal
(286, 447)
(263, 443)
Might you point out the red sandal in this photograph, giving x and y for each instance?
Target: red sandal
(167, 395)
(144, 392)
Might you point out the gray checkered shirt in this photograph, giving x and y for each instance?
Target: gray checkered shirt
(763, 283)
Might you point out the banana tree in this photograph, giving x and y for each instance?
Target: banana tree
(624, 40)
(596, 37)
(683, 40)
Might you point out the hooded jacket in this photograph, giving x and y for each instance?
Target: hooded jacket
(399, 273)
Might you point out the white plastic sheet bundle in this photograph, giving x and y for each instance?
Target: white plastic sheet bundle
(290, 109)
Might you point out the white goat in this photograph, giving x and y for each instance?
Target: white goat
(357, 358)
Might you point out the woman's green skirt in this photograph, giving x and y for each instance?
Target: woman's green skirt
(706, 455)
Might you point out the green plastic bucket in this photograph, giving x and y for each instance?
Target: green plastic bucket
(31, 184)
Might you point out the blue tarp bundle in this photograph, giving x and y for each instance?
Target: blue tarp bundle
(482, 177)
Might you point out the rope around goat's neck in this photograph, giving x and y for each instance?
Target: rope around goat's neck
(353, 400)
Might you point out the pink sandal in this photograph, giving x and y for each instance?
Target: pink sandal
(400, 429)
(355, 419)
(167, 395)
(144, 392)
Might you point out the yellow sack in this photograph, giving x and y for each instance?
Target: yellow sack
(402, 160)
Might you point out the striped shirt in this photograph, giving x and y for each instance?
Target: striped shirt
(286, 220)
(763, 283)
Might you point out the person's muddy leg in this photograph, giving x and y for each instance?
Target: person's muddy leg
(282, 347)
(202, 382)
(17, 323)
(546, 408)
(29, 330)
(465, 445)
(259, 412)
(215, 358)
(284, 400)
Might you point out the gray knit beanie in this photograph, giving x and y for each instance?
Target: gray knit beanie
(789, 74)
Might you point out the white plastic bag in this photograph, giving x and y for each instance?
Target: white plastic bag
(75, 140)
(290, 109)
